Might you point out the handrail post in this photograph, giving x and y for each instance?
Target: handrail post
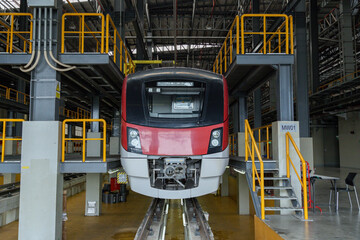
(102, 33)
(264, 26)
(305, 191)
(107, 34)
(267, 143)
(11, 33)
(287, 34)
(287, 156)
(62, 34)
(242, 36)
(3, 142)
(84, 141)
(63, 142)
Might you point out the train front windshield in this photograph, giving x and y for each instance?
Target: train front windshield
(175, 103)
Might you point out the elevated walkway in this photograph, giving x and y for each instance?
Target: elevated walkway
(250, 56)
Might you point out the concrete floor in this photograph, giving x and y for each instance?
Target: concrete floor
(120, 221)
(329, 225)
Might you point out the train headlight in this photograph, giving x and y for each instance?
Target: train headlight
(134, 144)
(215, 140)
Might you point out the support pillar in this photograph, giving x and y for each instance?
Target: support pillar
(284, 93)
(242, 117)
(94, 149)
(41, 217)
(314, 46)
(257, 108)
(243, 195)
(224, 189)
(302, 91)
(115, 135)
(140, 55)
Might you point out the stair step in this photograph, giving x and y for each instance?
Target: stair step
(283, 208)
(279, 198)
(276, 178)
(276, 187)
(270, 170)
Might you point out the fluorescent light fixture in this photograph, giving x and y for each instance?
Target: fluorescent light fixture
(239, 171)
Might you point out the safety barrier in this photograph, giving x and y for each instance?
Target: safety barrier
(279, 41)
(233, 144)
(254, 151)
(303, 164)
(8, 31)
(121, 55)
(4, 138)
(14, 95)
(267, 140)
(78, 114)
(111, 43)
(83, 139)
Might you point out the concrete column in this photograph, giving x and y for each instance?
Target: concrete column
(347, 43)
(9, 125)
(94, 149)
(115, 135)
(284, 93)
(224, 189)
(302, 91)
(279, 130)
(243, 195)
(41, 182)
(93, 194)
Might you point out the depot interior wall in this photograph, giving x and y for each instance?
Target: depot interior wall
(349, 140)
(326, 146)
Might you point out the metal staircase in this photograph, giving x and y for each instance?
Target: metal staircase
(266, 184)
(273, 186)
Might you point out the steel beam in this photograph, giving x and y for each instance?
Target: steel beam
(242, 103)
(314, 46)
(347, 38)
(257, 107)
(302, 91)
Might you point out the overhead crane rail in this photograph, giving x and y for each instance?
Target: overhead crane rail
(280, 41)
(9, 34)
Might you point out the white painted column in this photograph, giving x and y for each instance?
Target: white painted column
(279, 130)
(243, 195)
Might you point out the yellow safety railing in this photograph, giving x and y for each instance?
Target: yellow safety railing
(303, 180)
(267, 140)
(83, 30)
(83, 139)
(348, 77)
(279, 41)
(13, 35)
(14, 95)
(114, 42)
(78, 114)
(227, 53)
(253, 151)
(4, 138)
(233, 144)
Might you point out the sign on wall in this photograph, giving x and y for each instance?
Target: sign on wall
(284, 127)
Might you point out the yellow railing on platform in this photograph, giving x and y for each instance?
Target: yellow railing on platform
(83, 138)
(233, 144)
(9, 32)
(253, 151)
(14, 95)
(114, 42)
(279, 41)
(80, 31)
(303, 163)
(4, 138)
(347, 77)
(267, 139)
(78, 114)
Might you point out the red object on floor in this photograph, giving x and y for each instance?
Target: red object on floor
(114, 185)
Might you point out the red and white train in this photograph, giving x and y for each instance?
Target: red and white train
(174, 132)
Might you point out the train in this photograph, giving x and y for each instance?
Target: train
(174, 131)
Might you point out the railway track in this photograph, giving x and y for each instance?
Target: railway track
(194, 221)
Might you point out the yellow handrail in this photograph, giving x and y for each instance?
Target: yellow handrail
(11, 32)
(82, 31)
(14, 95)
(83, 138)
(232, 141)
(255, 176)
(326, 85)
(126, 64)
(267, 140)
(303, 163)
(237, 33)
(4, 139)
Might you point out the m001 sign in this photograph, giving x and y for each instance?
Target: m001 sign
(288, 128)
